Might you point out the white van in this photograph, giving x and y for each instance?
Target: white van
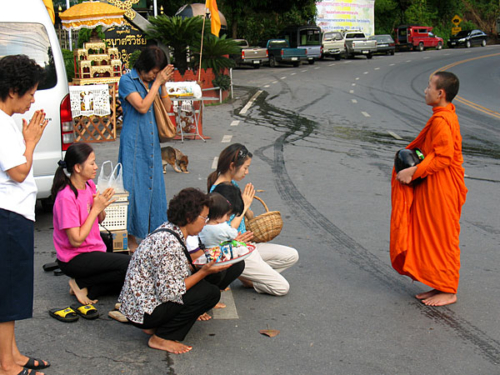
(26, 28)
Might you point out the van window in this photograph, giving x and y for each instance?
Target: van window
(309, 38)
(29, 39)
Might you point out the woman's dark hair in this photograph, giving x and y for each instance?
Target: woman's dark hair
(77, 153)
(219, 206)
(236, 153)
(150, 58)
(186, 206)
(233, 195)
(18, 73)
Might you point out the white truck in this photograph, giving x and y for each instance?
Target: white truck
(356, 43)
(333, 45)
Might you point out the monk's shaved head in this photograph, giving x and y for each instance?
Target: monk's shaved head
(448, 82)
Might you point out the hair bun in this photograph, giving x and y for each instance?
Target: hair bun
(62, 163)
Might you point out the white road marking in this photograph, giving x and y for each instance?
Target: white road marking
(235, 123)
(365, 114)
(303, 71)
(226, 139)
(292, 74)
(274, 82)
(332, 64)
(353, 84)
(377, 69)
(357, 78)
(426, 57)
(351, 91)
(317, 68)
(354, 100)
(392, 64)
(250, 102)
(283, 77)
(365, 73)
(214, 163)
(229, 312)
(408, 60)
(395, 135)
(266, 86)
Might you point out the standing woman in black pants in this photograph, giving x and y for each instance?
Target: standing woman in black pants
(81, 252)
(19, 78)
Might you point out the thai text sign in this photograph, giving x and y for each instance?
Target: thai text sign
(346, 15)
(89, 100)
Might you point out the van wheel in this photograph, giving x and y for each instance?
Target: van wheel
(272, 62)
(47, 204)
(483, 43)
(439, 46)
(337, 57)
(311, 62)
(421, 46)
(392, 53)
(369, 56)
(256, 66)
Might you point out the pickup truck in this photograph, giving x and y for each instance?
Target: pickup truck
(307, 37)
(280, 52)
(254, 56)
(333, 45)
(416, 38)
(356, 43)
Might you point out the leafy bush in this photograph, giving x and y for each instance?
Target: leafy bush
(133, 58)
(69, 64)
(223, 81)
(215, 51)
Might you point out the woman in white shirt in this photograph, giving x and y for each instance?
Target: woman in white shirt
(19, 78)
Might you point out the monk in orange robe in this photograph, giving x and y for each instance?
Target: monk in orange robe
(425, 216)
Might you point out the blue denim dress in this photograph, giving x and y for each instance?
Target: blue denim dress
(140, 155)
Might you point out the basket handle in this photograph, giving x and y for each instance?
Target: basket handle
(261, 201)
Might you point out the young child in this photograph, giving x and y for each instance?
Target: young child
(217, 229)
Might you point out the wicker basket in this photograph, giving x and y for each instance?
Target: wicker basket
(266, 226)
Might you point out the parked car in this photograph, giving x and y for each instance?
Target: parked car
(468, 39)
(385, 44)
(304, 37)
(356, 43)
(280, 52)
(416, 37)
(253, 56)
(26, 28)
(333, 45)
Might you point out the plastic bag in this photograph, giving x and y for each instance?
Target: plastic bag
(113, 179)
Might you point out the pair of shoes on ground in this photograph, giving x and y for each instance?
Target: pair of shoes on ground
(72, 314)
(117, 315)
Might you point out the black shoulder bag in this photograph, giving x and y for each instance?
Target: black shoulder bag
(186, 252)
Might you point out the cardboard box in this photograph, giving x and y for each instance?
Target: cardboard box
(120, 240)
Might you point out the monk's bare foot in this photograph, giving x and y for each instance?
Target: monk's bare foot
(428, 294)
(170, 346)
(227, 289)
(150, 331)
(80, 294)
(246, 283)
(204, 317)
(220, 305)
(440, 299)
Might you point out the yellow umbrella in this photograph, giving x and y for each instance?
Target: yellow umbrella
(91, 14)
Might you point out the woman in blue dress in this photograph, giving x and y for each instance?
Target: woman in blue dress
(140, 152)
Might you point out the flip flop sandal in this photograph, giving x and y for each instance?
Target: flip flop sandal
(86, 311)
(66, 315)
(31, 364)
(27, 371)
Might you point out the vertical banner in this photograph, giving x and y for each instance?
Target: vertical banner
(89, 100)
(346, 15)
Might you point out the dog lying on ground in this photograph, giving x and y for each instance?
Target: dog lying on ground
(175, 158)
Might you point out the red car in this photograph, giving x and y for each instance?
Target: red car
(416, 37)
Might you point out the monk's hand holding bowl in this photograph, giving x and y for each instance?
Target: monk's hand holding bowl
(405, 176)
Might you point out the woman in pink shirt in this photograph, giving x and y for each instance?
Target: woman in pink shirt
(81, 252)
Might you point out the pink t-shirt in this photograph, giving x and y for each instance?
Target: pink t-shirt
(71, 212)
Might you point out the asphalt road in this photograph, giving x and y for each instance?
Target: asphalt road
(323, 138)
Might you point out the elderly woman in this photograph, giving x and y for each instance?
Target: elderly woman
(163, 293)
(19, 78)
(140, 152)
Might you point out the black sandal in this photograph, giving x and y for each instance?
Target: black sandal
(41, 364)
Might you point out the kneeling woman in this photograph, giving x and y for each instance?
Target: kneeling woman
(163, 293)
(81, 252)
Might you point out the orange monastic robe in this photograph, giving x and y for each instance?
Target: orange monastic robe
(425, 218)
